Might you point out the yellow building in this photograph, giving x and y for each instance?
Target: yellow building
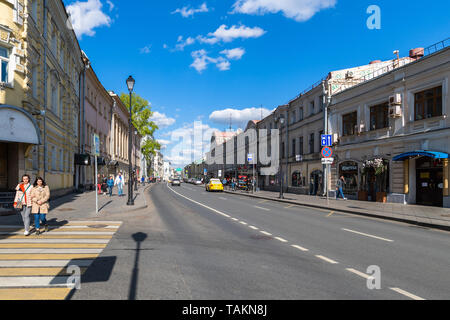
(41, 64)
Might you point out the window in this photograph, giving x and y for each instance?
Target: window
(321, 103)
(61, 103)
(283, 153)
(301, 146)
(379, 116)
(34, 6)
(428, 103)
(35, 81)
(349, 123)
(54, 98)
(53, 159)
(300, 114)
(293, 147)
(4, 60)
(297, 179)
(61, 160)
(311, 143)
(293, 119)
(311, 108)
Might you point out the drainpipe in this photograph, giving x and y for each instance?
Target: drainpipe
(45, 88)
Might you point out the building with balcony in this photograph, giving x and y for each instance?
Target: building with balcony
(393, 132)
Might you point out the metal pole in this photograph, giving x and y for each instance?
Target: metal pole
(287, 148)
(130, 168)
(281, 166)
(96, 191)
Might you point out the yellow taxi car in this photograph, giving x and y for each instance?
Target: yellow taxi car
(214, 185)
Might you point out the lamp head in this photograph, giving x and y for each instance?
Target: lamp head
(130, 83)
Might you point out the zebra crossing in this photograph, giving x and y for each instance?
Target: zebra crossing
(39, 267)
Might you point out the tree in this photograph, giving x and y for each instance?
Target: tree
(140, 117)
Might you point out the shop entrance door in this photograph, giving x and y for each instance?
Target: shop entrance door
(3, 167)
(429, 182)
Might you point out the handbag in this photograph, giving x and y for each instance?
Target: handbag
(19, 205)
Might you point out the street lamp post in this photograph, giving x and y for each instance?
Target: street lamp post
(281, 122)
(130, 84)
(135, 165)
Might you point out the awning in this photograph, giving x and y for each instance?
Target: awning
(18, 125)
(421, 153)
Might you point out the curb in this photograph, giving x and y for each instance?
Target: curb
(416, 223)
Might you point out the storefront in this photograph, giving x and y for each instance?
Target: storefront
(349, 170)
(316, 183)
(431, 181)
(19, 133)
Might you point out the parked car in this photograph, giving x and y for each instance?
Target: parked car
(176, 182)
(197, 182)
(214, 185)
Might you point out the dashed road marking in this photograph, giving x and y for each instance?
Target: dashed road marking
(368, 235)
(261, 208)
(281, 239)
(242, 222)
(266, 233)
(299, 248)
(234, 219)
(327, 259)
(253, 227)
(330, 214)
(359, 273)
(406, 293)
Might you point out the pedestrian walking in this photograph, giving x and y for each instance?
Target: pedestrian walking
(22, 201)
(120, 182)
(110, 184)
(40, 195)
(339, 188)
(143, 180)
(99, 184)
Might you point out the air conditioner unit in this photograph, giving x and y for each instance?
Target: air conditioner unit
(359, 128)
(395, 111)
(395, 100)
(349, 75)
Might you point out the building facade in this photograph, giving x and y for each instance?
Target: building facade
(394, 133)
(40, 72)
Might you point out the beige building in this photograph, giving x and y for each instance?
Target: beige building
(39, 94)
(394, 132)
(119, 141)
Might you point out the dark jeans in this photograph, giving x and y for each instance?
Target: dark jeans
(38, 217)
(110, 189)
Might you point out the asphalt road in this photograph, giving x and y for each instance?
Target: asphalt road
(190, 244)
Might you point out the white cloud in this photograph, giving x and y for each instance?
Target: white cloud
(233, 54)
(161, 120)
(228, 34)
(191, 141)
(183, 43)
(299, 10)
(186, 12)
(163, 142)
(202, 60)
(238, 117)
(86, 16)
(146, 49)
(111, 5)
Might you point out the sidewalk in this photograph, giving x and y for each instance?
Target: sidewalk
(82, 206)
(419, 215)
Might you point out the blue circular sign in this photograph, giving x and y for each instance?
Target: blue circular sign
(327, 152)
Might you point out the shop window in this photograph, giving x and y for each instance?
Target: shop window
(297, 179)
(428, 103)
(379, 116)
(349, 123)
(349, 170)
(4, 61)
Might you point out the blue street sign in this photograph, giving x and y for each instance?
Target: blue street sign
(250, 157)
(327, 140)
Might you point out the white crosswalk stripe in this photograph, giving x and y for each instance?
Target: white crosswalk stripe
(39, 263)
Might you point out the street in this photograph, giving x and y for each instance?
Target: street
(190, 244)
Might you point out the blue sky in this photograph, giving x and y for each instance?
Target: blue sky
(240, 54)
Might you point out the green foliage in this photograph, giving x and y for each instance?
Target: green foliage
(140, 116)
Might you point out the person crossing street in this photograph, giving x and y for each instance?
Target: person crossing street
(40, 195)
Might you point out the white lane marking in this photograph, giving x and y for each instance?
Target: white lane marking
(65, 233)
(261, 208)
(299, 248)
(96, 222)
(281, 239)
(201, 204)
(44, 263)
(359, 273)
(45, 251)
(264, 201)
(266, 233)
(242, 222)
(222, 198)
(405, 293)
(253, 227)
(327, 259)
(17, 282)
(367, 235)
(234, 219)
(59, 241)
